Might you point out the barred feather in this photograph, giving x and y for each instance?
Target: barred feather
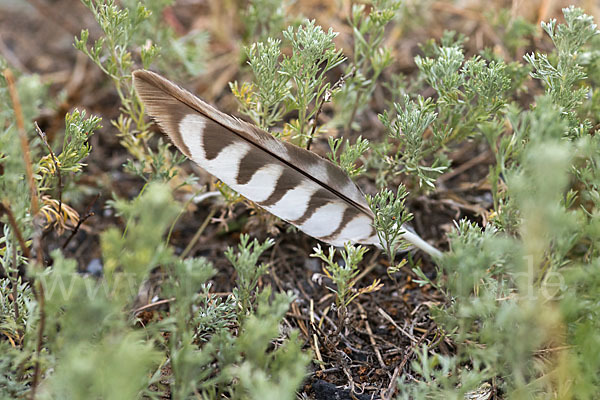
(292, 183)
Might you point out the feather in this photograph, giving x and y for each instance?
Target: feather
(292, 183)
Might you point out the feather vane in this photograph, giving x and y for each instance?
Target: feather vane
(292, 183)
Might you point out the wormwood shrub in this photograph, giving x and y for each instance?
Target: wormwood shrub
(90, 340)
(369, 58)
(523, 291)
(135, 30)
(343, 273)
(295, 83)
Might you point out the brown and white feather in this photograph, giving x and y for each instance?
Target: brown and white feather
(292, 183)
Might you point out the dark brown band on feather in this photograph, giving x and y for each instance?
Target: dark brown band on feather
(318, 199)
(349, 214)
(169, 122)
(250, 164)
(215, 138)
(286, 181)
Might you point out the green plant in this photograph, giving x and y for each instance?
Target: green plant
(245, 262)
(343, 274)
(390, 216)
(409, 128)
(561, 79)
(518, 302)
(207, 357)
(369, 58)
(130, 30)
(263, 100)
(294, 83)
(348, 157)
(265, 18)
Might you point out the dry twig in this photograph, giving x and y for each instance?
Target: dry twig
(14, 97)
(87, 215)
(363, 316)
(5, 209)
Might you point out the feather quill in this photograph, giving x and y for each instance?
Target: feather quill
(292, 183)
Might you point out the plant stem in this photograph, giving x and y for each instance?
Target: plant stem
(198, 233)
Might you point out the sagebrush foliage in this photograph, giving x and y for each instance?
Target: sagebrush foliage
(516, 288)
